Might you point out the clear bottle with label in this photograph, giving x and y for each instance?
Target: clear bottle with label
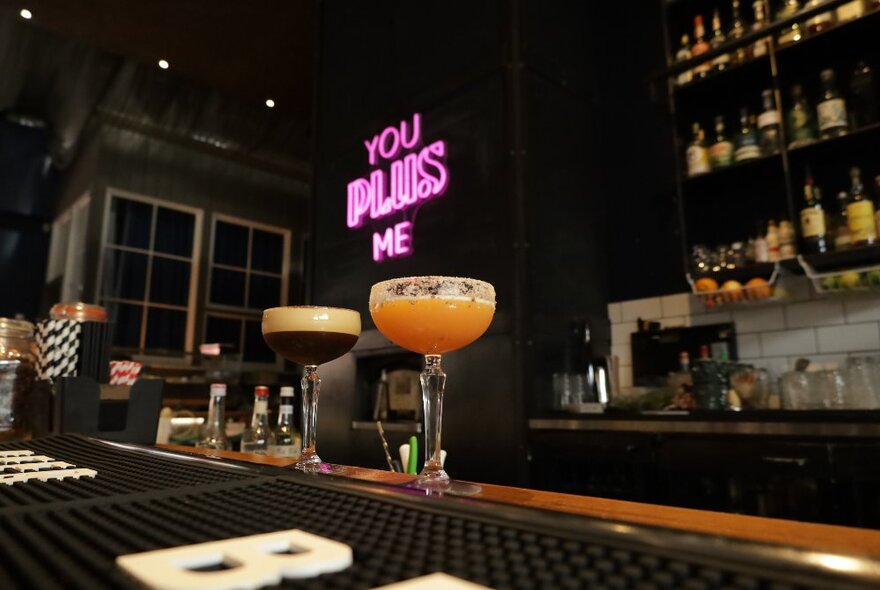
(801, 126)
(684, 54)
(842, 239)
(719, 62)
(762, 253)
(721, 152)
(772, 241)
(700, 47)
(831, 109)
(213, 434)
(285, 440)
(255, 438)
(760, 48)
(697, 154)
(813, 230)
(747, 147)
(860, 212)
(769, 123)
(787, 247)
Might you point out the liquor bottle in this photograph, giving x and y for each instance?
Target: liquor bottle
(722, 61)
(762, 252)
(860, 212)
(697, 154)
(800, 119)
(821, 21)
(683, 54)
(285, 440)
(721, 152)
(831, 109)
(213, 435)
(256, 436)
(700, 47)
(772, 241)
(877, 207)
(792, 33)
(863, 96)
(768, 125)
(760, 47)
(787, 247)
(813, 231)
(747, 147)
(737, 30)
(842, 239)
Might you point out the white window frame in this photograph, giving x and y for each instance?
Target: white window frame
(192, 297)
(245, 313)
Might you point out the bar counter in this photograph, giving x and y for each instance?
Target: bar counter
(820, 537)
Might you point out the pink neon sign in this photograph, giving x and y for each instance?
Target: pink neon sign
(410, 179)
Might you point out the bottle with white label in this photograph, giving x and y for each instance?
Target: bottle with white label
(285, 440)
(831, 109)
(769, 124)
(213, 435)
(697, 154)
(256, 436)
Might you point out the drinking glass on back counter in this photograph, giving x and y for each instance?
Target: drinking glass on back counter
(855, 386)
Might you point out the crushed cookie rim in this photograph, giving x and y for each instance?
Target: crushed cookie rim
(432, 286)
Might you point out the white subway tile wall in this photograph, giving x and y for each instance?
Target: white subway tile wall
(772, 336)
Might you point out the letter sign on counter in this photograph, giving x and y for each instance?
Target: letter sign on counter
(414, 173)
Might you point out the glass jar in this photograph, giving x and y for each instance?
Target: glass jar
(18, 374)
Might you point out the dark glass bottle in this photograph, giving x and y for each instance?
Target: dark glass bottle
(831, 108)
(720, 62)
(769, 124)
(863, 96)
(801, 126)
(813, 230)
(747, 147)
(737, 30)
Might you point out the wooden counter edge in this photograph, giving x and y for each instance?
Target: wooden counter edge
(807, 535)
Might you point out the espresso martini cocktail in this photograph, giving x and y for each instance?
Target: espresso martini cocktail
(310, 336)
(433, 316)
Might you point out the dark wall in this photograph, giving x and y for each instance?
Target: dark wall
(28, 183)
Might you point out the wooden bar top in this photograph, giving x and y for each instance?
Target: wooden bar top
(832, 538)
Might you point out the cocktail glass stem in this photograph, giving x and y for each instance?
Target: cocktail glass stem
(433, 384)
(311, 388)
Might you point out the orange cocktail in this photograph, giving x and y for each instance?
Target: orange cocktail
(433, 316)
(434, 325)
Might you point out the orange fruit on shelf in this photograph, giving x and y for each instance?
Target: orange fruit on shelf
(706, 284)
(733, 291)
(758, 288)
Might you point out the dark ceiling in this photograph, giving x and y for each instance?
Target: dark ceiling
(248, 49)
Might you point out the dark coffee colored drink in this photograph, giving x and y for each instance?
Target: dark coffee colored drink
(310, 348)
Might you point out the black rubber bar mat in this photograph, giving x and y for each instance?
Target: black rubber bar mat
(67, 533)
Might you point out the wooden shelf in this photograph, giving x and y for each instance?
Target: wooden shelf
(854, 136)
(713, 77)
(720, 172)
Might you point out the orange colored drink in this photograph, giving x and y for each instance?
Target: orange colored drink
(433, 325)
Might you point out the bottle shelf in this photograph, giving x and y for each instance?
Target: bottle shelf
(855, 136)
(720, 172)
(745, 68)
(841, 28)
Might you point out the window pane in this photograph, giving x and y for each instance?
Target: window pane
(169, 282)
(227, 287)
(126, 324)
(174, 232)
(166, 329)
(264, 292)
(255, 349)
(130, 223)
(223, 331)
(230, 244)
(125, 275)
(267, 251)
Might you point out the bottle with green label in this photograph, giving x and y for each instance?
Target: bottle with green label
(721, 152)
(860, 212)
(801, 127)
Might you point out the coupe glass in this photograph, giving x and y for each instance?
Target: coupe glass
(433, 316)
(311, 336)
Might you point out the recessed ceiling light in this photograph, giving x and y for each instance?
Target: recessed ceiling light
(270, 103)
(164, 64)
(26, 14)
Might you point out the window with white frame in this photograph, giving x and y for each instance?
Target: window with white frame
(148, 277)
(248, 272)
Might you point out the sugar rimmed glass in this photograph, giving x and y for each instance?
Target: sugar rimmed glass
(432, 316)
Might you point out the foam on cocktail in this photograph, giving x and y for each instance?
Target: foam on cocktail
(432, 287)
(311, 319)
